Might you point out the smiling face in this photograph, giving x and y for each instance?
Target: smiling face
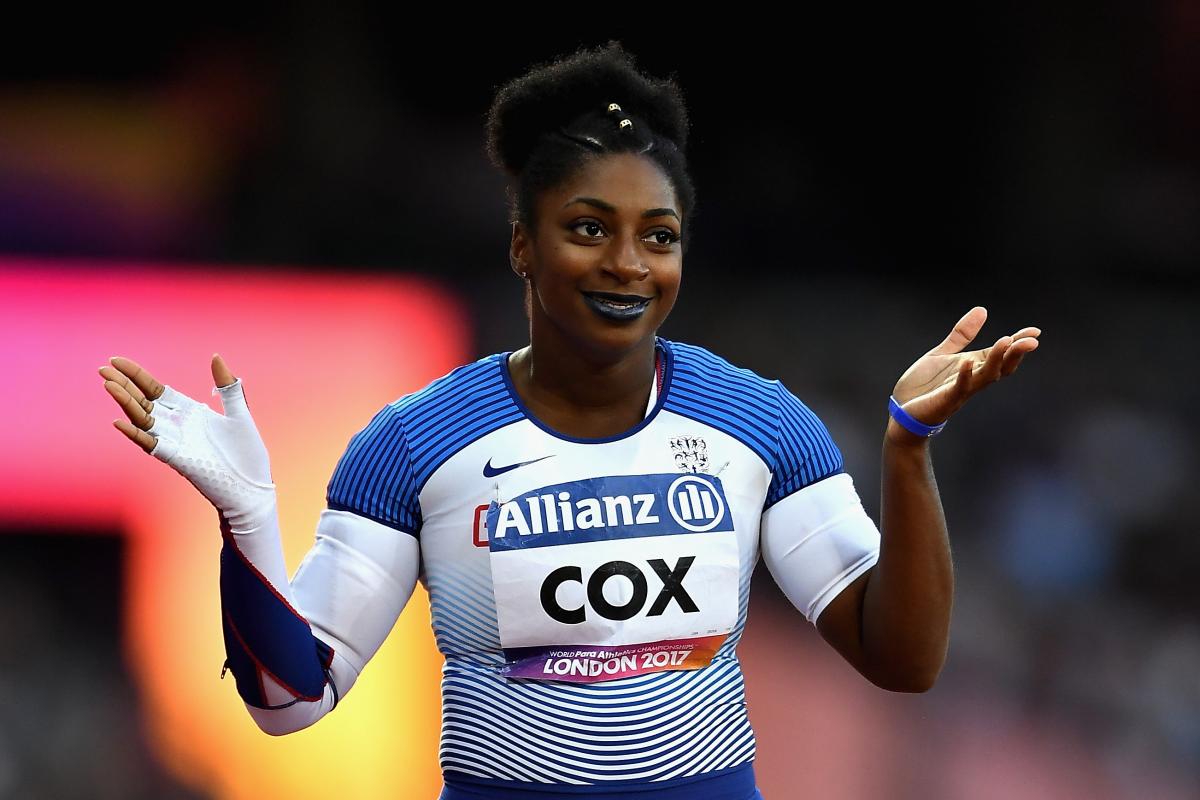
(605, 264)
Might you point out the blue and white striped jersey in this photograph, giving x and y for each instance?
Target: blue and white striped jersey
(575, 583)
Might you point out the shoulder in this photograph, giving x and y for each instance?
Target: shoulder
(426, 426)
(706, 387)
(699, 367)
(476, 382)
(761, 412)
(386, 463)
(457, 393)
(473, 382)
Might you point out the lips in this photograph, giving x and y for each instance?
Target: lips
(617, 307)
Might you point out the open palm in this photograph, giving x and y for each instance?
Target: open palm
(942, 380)
(222, 455)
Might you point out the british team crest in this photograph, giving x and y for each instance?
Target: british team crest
(691, 453)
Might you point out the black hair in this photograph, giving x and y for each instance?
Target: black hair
(543, 126)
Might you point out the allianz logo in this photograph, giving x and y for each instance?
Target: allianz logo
(693, 502)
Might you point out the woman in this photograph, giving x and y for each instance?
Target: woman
(629, 484)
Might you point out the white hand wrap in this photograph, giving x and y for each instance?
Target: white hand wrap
(221, 455)
(353, 583)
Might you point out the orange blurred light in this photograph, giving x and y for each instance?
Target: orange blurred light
(319, 354)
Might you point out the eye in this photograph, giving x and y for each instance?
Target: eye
(590, 227)
(664, 236)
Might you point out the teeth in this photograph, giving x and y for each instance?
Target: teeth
(619, 304)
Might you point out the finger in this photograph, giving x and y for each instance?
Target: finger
(989, 370)
(138, 436)
(137, 415)
(964, 332)
(1018, 351)
(995, 358)
(233, 399)
(1026, 333)
(151, 388)
(113, 374)
(222, 376)
(962, 381)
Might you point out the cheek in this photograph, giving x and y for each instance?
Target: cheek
(566, 256)
(564, 266)
(670, 281)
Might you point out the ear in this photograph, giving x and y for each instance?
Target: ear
(518, 250)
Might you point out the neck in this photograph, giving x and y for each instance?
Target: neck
(583, 394)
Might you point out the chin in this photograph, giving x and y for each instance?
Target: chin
(612, 342)
(599, 339)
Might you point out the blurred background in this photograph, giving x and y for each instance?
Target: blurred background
(168, 191)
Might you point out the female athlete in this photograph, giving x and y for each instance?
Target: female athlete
(629, 483)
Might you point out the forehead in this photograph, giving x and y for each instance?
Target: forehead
(624, 180)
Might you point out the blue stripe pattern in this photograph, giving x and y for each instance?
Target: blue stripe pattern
(462, 609)
(656, 728)
(386, 464)
(763, 415)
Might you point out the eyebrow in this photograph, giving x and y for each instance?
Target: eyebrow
(603, 206)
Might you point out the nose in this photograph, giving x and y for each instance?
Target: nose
(625, 261)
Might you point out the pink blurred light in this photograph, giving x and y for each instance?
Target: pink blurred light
(319, 354)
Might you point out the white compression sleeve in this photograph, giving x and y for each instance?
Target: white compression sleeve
(817, 541)
(351, 586)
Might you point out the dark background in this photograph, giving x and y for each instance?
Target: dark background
(862, 182)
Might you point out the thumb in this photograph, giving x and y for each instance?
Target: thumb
(233, 397)
(221, 375)
(964, 332)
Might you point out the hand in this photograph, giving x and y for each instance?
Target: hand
(221, 455)
(942, 380)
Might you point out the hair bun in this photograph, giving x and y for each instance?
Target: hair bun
(551, 95)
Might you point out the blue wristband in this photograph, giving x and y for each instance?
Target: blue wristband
(910, 423)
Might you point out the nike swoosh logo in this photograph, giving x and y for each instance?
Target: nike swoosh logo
(490, 472)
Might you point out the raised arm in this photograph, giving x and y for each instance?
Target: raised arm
(295, 647)
(893, 622)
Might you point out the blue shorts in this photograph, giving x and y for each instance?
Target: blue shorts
(736, 783)
(455, 794)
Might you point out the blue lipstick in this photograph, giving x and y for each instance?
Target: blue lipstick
(617, 307)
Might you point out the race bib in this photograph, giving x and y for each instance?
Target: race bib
(614, 576)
